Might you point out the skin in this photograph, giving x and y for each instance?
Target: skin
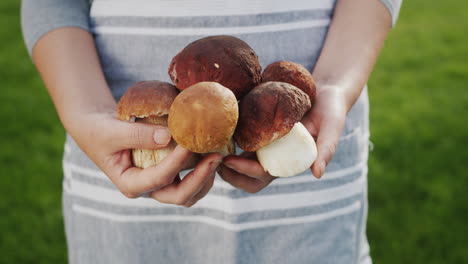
(355, 38)
(68, 63)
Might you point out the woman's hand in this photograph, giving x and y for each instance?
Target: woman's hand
(87, 111)
(354, 39)
(107, 141)
(244, 172)
(325, 122)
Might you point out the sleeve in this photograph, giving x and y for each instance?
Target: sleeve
(393, 7)
(41, 16)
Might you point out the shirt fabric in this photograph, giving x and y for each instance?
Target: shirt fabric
(294, 220)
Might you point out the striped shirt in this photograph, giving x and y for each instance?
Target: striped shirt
(294, 220)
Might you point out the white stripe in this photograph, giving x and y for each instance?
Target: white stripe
(365, 250)
(210, 31)
(184, 8)
(226, 204)
(214, 222)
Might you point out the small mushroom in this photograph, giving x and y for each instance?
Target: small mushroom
(149, 102)
(203, 118)
(269, 124)
(292, 73)
(223, 59)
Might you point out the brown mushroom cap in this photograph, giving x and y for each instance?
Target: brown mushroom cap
(149, 103)
(292, 73)
(146, 98)
(203, 117)
(223, 59)
(269, 112)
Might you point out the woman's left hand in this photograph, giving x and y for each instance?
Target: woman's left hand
(325, 122)
(244, 172)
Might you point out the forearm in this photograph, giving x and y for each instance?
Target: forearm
(68, 63)
(355, 38)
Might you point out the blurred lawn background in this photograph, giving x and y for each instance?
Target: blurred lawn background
(418, 169)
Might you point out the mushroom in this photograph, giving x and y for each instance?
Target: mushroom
(223, 59)
(269, 124)
(149, 102)
(203, 118)
(292, 73)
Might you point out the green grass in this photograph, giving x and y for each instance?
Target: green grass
(417, 175)
(30, 153)
(418, 172)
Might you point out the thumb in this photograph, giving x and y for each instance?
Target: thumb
(141, 136)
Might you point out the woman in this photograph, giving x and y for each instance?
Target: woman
(89, 52)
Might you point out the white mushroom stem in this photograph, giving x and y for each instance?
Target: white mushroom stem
(289, 155)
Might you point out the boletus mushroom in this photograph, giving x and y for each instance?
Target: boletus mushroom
(149, 102)
(226, 60)
(292, 73)
(269, 124)
(203, 118)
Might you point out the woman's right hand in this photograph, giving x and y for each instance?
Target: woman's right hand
(108, 142)
(68, 63)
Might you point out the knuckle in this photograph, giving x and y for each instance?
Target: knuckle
(188, 205)
(181, 200)
(129, 194)
(253, 189)
(210, 185)
(331, 148)
(164, 181)
(125, 190)
(137, 135)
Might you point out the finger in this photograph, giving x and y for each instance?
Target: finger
(139, 136)
(240, 181)
(248, 155)
(308, 123)
(191, 184)
(134, 181)
(327, 140)
(203, 192)
(248, 167)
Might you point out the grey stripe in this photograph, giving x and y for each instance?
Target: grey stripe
(212, 21)
(105, 183)
(301, 187)
(216, 214)
(297, 212)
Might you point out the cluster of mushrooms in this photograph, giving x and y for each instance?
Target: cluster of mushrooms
(225, 99)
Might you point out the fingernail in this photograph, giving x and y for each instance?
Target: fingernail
(162, 136)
